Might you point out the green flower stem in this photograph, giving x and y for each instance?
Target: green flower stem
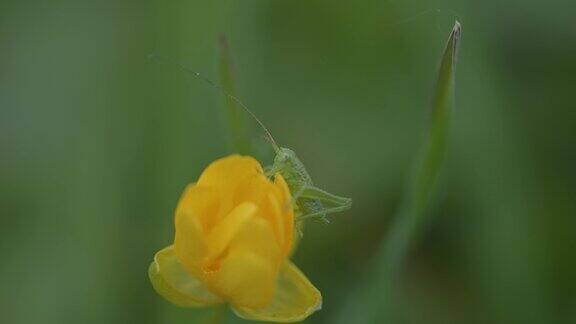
(218, 315)
(239, 138)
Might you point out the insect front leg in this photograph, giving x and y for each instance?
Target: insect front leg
(271, 170)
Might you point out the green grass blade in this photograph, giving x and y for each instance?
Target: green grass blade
(380, 301)
(422, 187)
(442, 108)
(238, 132)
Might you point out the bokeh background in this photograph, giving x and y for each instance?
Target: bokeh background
(97, 142)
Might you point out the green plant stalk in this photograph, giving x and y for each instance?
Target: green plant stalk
(238, 131)
(218, 314)
(422, 186)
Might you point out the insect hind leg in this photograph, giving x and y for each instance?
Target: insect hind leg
(311, 203)
(306, 205)
(318, 199)
(324, 212)
(302, 193)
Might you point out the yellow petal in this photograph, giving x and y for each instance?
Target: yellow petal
(286, 201)
(248, 272)
(246, 279)
(270, 201)
(219, 238)
(171, 281)
(295, 299)
(200, 202)
(251, 188)
(227, 172)
(274, 213)
(189, 241)
(225, 175)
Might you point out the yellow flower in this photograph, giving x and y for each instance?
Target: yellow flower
(234, 237)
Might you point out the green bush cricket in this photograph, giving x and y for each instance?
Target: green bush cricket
(308, 200)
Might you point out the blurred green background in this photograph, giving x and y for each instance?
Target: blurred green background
(97, 143)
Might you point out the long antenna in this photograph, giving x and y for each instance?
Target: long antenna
(222, 90)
